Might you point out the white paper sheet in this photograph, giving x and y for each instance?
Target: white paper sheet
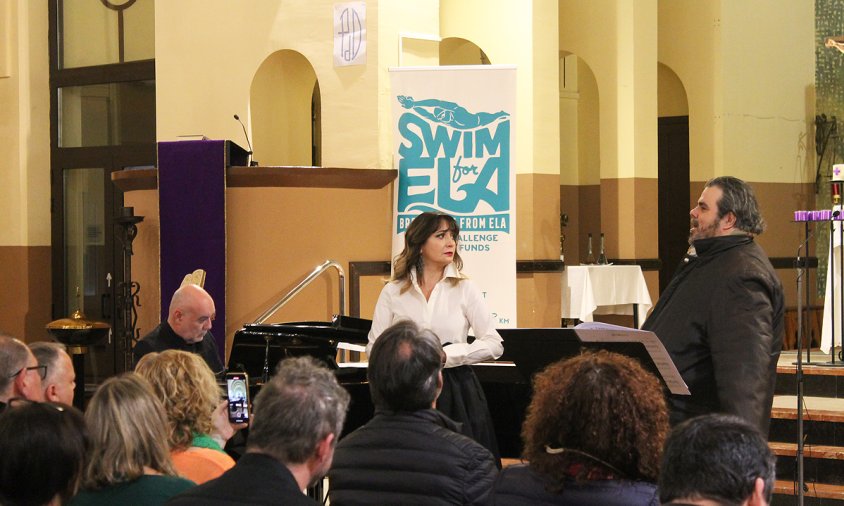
(595, 332)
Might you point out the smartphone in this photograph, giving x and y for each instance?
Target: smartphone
(237, 391)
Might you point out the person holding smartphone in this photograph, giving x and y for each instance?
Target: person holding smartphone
(428, 289)
(197, 415)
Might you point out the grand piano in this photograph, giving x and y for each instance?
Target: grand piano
(257, 349)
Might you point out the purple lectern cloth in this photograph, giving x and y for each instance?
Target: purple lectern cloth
(192, 209)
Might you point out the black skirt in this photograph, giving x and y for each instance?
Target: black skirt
(463, 400)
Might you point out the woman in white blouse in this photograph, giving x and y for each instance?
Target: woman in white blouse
(428, 288)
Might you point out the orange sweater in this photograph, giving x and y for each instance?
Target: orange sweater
(201, 464)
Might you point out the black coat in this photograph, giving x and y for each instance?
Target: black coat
(256, 479)
(721, 320)
(410, 458)
(163, 338)
(520, 485)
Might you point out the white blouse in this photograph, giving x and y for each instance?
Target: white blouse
(449, 313)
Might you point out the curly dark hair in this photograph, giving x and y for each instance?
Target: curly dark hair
(420, 229)
(601, 404)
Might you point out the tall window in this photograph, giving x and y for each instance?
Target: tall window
(102, 119)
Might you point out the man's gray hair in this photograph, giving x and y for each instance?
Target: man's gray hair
(296, 409)
(738, 198)
(13, 357)
(47, 353)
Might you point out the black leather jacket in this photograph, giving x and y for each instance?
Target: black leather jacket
(721, 320)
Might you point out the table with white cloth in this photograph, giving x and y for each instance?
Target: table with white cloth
(605, 289)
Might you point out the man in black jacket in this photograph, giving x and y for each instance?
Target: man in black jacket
(188, 328)
(721, 317)
(298, 415)
(409, 453)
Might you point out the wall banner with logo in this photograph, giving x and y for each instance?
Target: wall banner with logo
(454, 138)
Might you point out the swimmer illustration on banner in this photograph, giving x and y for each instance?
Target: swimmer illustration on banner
(454, 138)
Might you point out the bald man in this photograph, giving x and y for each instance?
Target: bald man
(188, 328)
(20, 374)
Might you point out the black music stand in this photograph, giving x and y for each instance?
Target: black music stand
(534, 349)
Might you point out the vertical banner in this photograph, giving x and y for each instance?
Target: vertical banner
(453, 134)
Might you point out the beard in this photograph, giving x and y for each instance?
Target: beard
(696, 233)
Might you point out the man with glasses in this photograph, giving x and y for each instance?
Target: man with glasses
(60, 381)
(20, 374)
(187, 328)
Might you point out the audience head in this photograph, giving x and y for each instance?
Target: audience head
(405, 368)
(718, 458)
(299, 415)
(191, 313)
(44, 446)
(20, 374)
(128, 431)
(601, 411)
(60, 382)
(188, 390)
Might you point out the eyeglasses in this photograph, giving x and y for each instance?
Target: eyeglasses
(42, 371)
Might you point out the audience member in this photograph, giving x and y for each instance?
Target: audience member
(409, 453)
(129, 463)
(60, 382)
(593, 435)
(717, 459)
(20, 374)
(43, 453)
(199, 425)
(298, 416)
(188, 328)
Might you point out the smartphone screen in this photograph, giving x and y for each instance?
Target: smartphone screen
(237, 390)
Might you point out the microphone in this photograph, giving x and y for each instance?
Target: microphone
(252, 163)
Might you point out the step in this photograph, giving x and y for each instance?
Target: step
(819, 379)
(817, 409)
(809, 451)
(822, 420)
(817, 490)
(821, 463)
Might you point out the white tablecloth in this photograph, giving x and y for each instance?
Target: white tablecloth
(834, 280)
(604, 289)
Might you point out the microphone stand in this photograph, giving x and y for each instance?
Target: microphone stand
(250, 162)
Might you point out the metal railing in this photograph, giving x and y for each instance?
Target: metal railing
(305, 282)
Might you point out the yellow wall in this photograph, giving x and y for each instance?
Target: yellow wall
(750, 105)
(518, 33)
(617, 40)
(25, 127)
(280, 110)
(204, 74)
(672, 95)
(768, 119)
(24, 169)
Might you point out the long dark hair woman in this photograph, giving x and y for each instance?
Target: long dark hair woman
(428, 288)
(593, 435)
